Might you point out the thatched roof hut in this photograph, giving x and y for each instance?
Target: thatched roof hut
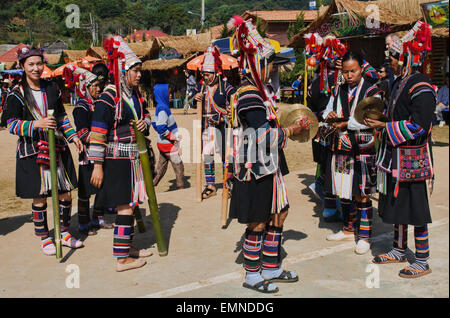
(96, 51)
(73, 55)
(163, 65)
(184, 45)
(204, 39)
(141, 49)
(413, 10)
(53, 59)
(355, 9)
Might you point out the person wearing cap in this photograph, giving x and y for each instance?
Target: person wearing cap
(112, 147)
(87, 87)
(351, 174)
(26, 115)
(259, 196)
(214, 92)
(402, 179)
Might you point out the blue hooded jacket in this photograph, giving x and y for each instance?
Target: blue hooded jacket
(163, 121)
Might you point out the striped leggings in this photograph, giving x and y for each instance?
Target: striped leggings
(420, 239)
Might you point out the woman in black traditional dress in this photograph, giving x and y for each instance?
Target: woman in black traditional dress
(404, 159)
(113, 149)
(352, 173)
(259, 197)
(87, 87)
(27, 116)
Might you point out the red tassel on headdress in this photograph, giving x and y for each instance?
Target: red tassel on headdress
(114, 58)
(218, 60)
(235, 22)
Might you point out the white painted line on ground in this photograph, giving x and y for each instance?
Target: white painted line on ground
(290, 260)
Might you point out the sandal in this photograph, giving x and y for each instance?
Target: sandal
(284, 277)
(208, 192)
(409, 272)
(265, 287)
(386, 259)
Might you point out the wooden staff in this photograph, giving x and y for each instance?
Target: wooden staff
(305, 81)
(226, 191)
(148, 180)
(198, 151)
(54, 180)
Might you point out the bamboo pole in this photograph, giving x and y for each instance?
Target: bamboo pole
(225, 192)
(305, 81)
(198, 152)
(148, 180)
(54, 188)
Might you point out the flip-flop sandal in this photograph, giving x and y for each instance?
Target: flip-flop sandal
(408, 272)
(284, 277)
(265, 287)
(386, 259)
(208, 192)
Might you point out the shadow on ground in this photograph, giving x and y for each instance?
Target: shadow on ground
(11, 224)
(168, 214)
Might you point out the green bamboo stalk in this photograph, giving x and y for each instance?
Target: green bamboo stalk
(54, 178)
(148, 179)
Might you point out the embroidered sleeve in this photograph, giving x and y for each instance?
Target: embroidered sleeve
(402, 131)
(421, 88)
(65, 127)
(13, 118)
(272, 137)
(101, 121)
(21, 127)
(369, 71)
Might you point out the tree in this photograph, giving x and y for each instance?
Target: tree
(293, 29)
(262, 30)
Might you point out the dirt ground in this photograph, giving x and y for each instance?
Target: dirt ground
(204, 259)
(298, 156)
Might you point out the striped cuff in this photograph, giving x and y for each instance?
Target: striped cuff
(402, 131)
(66, 128)
(23, 128)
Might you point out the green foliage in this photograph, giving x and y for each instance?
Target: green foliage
(262, 30)
(45, 19)
(299, 67)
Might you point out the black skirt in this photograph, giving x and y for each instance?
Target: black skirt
(28, 176)
(85, 187)
(116, 188)
(410, 207)
(252, 201)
